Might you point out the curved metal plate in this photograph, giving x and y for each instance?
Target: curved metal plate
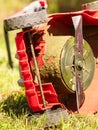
(24, 20)
(67, 65)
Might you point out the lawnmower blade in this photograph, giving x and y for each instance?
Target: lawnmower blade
(77, 22)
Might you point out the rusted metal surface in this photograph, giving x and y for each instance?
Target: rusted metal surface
(24, 20)
(77, 22)
(91, 5)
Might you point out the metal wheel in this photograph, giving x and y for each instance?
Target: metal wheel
(67, 64)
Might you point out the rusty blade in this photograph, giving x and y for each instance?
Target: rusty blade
(77, 22)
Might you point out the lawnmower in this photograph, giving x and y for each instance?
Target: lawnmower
(58, 59)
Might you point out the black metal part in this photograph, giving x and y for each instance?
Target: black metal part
(24, 20)
(77, 22)
(8, 47)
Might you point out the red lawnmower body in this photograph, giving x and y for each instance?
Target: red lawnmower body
(60, 24)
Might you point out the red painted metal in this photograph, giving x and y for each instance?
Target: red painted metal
(61, 23)
(32, 89)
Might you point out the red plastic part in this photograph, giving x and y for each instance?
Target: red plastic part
(32, 90)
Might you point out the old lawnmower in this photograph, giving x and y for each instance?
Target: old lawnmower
(58, 59)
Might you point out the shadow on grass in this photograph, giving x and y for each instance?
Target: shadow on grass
(15, 104)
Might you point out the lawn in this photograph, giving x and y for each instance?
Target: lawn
(14, 108)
